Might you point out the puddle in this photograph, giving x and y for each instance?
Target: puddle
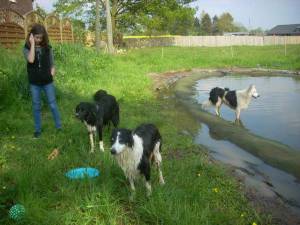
(275, 114)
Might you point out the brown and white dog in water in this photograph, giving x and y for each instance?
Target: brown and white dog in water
(236, 99)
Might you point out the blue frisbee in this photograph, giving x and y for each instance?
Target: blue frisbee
(80, 173)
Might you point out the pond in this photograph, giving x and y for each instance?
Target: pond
(265, 148)
(275, 114)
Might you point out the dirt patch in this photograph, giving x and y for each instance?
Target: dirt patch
(165, 80)
(265, 200)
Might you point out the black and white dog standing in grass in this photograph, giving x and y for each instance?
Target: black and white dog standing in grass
(236, 100)
(135, 151)
(95, 115)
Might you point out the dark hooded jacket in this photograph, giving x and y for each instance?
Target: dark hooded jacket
(39, 72)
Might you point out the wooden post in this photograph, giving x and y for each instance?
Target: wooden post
(72, 33)
(109, 29)
(97, 28)
(46, 24)
(284, 45)
(60, 30)
(25, 27)
(231, 50)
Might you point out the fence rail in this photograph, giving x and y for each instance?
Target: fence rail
(215, 41)
(210, 41)
(15, 27)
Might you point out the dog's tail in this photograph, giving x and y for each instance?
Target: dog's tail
(206, 104)
(99, 94)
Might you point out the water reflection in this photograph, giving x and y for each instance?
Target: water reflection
(267, 180)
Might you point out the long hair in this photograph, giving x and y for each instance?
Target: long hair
(38, 29)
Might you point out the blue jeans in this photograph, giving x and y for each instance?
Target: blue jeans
(36, 103)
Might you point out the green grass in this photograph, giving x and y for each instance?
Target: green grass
(196, 191)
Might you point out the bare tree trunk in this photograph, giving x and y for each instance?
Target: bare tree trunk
(97, 29)
(113, 10)
(109, 29)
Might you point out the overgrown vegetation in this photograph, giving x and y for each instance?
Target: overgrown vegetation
(196, 191)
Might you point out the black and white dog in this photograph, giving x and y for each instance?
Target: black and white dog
(135, 151)
(236, 100)
(95, 115)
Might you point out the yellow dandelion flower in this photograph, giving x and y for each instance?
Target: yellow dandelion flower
(216, 190)
(254, 223)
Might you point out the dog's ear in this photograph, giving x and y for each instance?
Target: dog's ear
(90, 115)
(130, 141)
(129, 138)
(114, 130)
(113, 135)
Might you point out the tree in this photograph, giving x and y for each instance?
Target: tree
(197, 25)
(157, 17)
(109, 28)
(41, 11)
(183, 21)
(76, 9)
(135, 15)
(79, 30)
(238, 27)
(215, 29)
(97, 28)
(205, 24)
(225, 23)
(258, 31)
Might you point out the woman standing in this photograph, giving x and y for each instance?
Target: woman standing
(41, 70)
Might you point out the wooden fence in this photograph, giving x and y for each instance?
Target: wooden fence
(210, 41)
(215, 41)
(15, 27)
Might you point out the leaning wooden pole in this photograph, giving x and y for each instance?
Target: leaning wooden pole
(109, 29)
(97, 29)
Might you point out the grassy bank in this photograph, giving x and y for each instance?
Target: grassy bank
(196, 191)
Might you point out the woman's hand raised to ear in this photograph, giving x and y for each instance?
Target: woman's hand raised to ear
(53, 71)
(31, 39)
(31, 54)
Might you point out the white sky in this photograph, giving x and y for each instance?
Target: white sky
(46, 4)
(254, 13)
(251, 13)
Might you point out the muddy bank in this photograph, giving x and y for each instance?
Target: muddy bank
(166, 80)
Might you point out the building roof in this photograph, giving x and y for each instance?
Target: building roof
(289, 29)
(20, 6)
(236, 33)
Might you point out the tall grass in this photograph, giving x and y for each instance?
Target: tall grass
(196, 191)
